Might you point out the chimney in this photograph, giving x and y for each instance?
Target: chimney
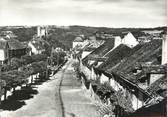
(164, 49)
(38, 31)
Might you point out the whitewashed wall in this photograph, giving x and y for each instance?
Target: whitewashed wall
(164, 50)
(77, 44)
(2, 55)
(115, 85)
(117, 41)
(130, 40)
(136, 103)
(86, 71)
(93, 75)
(33, 49)
(90, 74)
(43, 31)
(154, 77)
(103, 79)
(85, 53)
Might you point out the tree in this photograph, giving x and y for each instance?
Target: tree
(16, 63)
(58, 57)
(26, 59)
(24, 34)
(36, 67)
(5, 68)
(13, 78)
(39, 57)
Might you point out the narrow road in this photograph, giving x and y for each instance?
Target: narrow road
(62, 96)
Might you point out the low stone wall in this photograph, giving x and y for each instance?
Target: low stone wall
(102, 108)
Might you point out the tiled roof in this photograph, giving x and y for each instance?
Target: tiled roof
(15, 44)
(115, 56)
(156, 110)
(12, 43)
(160, 84)
(78, 39)
(8, 33)
(161, 69)
(148, 52)
(101, 50)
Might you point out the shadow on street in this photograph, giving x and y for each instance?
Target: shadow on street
(16, 100)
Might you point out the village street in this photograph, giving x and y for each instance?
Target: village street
(62, 96)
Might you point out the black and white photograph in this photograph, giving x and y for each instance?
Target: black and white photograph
(83, 58)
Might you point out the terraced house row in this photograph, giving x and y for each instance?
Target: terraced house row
(127, 74)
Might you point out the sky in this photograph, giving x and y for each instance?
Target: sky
(99, 13)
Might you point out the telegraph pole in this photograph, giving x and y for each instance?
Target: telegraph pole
(57, 58)
(47, 67)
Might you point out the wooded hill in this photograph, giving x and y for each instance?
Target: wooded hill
(64, 36)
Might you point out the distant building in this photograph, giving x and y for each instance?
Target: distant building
(164, 49)
(42, 31)
(36, 47)
(7, 34)
(103, 35)
(129, 39)
(10, 48)
(144, 39)
(154, 33)
(78, 41)
(4, 47)
(126, 38)
(93, 38)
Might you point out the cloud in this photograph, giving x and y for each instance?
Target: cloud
(117, 13)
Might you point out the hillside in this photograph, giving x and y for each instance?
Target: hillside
(63, 36)
(67, 35)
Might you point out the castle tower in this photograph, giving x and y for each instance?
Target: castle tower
(41, 31)
(38, 31)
